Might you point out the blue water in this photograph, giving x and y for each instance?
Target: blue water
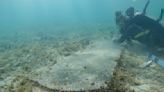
(20, 19)
(33, 12)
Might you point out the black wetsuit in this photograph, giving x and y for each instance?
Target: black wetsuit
(156, 29)
(147, 23)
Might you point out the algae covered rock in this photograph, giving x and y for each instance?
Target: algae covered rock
(84, 70)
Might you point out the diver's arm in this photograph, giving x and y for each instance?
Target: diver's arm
(144, 10)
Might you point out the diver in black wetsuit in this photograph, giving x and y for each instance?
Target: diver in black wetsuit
(125, 25)
(132, 28)
(121, 23)
(155, 34)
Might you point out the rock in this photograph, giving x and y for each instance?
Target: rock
(69, 72)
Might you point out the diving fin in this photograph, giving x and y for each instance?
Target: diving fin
(161, 63)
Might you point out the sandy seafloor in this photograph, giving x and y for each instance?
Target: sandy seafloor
(76, 58)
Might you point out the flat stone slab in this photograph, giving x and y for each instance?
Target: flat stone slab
(83, 70)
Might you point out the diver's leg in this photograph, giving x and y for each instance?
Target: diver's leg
(161, 15)
(145, 8)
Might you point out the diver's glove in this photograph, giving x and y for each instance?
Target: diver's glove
(152, 58)
(155, 59)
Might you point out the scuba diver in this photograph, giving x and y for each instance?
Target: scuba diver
(144, 21)
(123, 22)
(124, 27)
(143, 28)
